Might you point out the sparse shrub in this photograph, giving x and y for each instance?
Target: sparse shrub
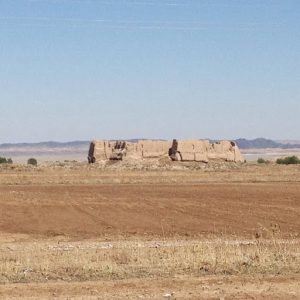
(4, 160)
(32, 161)
(290, 160)
(263, 161)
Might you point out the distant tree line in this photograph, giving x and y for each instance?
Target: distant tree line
(290, 160)
(30, 161)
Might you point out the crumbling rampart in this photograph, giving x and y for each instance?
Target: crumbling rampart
(176, 150)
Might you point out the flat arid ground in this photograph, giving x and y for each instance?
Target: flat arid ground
(73, 231)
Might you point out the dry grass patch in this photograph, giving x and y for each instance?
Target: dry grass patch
(179, 174)
(94, 261)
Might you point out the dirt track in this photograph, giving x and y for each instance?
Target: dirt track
(213, 287)
(171, 210)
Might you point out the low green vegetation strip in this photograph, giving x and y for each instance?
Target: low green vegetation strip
(290, 160)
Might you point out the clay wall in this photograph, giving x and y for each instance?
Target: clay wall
(184, 150)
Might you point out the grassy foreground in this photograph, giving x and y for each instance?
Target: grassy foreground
(88, 260)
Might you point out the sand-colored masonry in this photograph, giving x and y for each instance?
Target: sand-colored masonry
(178, 150)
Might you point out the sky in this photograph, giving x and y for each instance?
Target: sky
(92, 69)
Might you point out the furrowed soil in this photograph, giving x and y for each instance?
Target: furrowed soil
(85, 232)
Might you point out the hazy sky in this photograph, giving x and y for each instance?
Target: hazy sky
(85, 69)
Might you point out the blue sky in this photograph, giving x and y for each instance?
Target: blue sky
(85, 69)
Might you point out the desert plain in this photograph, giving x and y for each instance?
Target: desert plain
(77, 231)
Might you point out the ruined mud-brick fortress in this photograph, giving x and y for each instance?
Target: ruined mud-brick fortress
(176, 150)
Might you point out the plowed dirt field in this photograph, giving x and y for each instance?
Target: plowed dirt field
(155, 210)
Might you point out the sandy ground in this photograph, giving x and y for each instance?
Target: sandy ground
(209, 287)
(43, 205)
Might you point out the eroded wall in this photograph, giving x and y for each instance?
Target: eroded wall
(181, 150)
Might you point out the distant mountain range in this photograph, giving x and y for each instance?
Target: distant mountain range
(259, 143)
(262, 143)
